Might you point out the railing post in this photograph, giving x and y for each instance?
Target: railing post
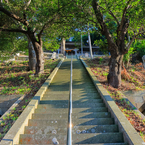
(69, 129)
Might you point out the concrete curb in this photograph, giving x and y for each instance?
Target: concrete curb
(129, 133)
(12, 107)
(12, 136)
(135, 109)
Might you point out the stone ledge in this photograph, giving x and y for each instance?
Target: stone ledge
(12, 136)
(12, 107)
(135, 109)
(129, 133)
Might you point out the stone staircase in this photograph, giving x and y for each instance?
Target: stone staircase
(92, 123)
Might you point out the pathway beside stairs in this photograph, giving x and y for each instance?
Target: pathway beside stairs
(92, 123)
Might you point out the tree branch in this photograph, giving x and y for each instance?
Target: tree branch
(25, 8)
(104, 29)
(140, 33)
(27, 5)
(133, 38)
(110, 12)
(124, 12)
(13, 30)
(46, 25)
(122, 28)
(13, 16)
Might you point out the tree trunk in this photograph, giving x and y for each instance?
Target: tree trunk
(114, 76)
(39, 54)
(40, 59)
(32, 55)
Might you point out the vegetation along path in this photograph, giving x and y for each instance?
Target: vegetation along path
(92, 123)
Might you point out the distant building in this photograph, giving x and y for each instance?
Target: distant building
(77, 46)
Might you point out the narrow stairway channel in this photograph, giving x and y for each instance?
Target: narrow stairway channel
(91, 121)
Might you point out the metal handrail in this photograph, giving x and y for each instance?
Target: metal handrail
(69, 129)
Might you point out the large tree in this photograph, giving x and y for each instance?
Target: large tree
(115, 20)
(128, 15)
(32, 18)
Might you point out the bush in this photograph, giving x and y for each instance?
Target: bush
(139, 46)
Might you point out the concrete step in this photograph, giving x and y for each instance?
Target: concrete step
(94, 121)
(91, 115)
(82, 74)
(42, 139)
(57, 92)
(83, 95)
(104, 144)
(81, 83)
(76, 138)
(48, 123)
(63, 122)
(44, 109)
(94, 129)
(81, 77)
(90, 85)
(74, 89)
(75, 74)
(75, 129)
(74, 115)
(85, 144)
(66, 91)
(84, 90)
(78, 100)
(45, 130)
(74, 93)
(60, 104)
(92, 138)
(84, 86)
(66, 97)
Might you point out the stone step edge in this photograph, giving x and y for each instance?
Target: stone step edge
(129, 133)
(83, 144)
(12, 136)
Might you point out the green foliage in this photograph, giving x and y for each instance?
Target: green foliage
(127, 56)
(66, 16)
(100, 60)
(77, 37)
(52, 45)
(105, 74)
(24, 106)
(95, 36)
(11, 43)
(102, 43)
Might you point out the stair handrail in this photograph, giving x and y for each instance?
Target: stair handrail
(69, 128)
